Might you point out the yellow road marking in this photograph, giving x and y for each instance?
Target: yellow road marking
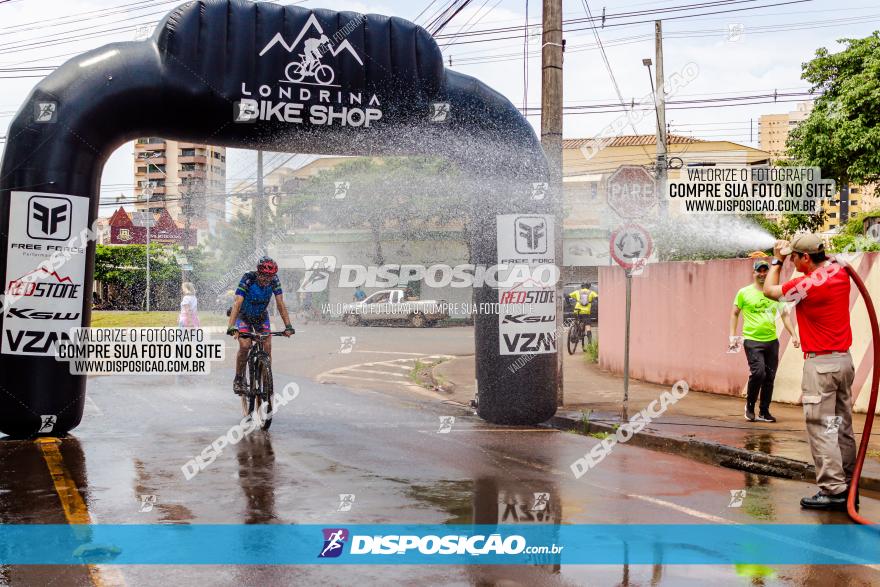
(75, 509)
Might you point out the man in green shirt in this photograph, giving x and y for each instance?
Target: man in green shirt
(760, 341)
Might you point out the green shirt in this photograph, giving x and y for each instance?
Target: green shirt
(759, 314)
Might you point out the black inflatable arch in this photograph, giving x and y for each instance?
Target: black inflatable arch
(210, 65)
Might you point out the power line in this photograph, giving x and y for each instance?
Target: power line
(493, 39)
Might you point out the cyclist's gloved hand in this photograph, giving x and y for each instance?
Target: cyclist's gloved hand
(232, 331)
(288, 330)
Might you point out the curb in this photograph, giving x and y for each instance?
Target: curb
(706, 451)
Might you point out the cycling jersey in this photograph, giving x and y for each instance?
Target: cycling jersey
(585, 305)
(256, 297)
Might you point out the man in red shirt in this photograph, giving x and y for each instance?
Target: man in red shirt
(821, 298)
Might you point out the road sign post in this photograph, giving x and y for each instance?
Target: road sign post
(145, 219)
(630, 245)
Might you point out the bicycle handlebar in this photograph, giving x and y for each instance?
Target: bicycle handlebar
(264, 335)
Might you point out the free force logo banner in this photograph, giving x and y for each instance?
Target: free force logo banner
(42, 300)
(526, 241)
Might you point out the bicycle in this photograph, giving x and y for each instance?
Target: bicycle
(304, 68)
(258, 377)
(576, 333)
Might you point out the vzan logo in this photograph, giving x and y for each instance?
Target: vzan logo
(306, 97)
(49, 218)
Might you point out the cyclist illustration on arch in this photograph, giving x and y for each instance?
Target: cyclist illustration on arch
(310, 64)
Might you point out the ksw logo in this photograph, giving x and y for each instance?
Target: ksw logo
(314, 48)
(531, 234)
(525, 319)
(49, 218)
(32, 314)
(334, 541)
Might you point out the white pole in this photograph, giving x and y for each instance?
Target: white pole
(148, 265)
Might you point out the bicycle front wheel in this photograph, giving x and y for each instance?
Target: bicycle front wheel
(266, 392)
(574, 336)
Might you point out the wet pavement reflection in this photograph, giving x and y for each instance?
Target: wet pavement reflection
(338, 455)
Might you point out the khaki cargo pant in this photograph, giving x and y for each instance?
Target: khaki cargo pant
(827, 398)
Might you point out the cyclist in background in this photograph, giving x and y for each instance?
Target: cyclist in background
(249, 313)
(583, 298)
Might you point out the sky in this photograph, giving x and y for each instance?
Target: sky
(740, 53)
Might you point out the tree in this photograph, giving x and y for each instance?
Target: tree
(406, 194)
(852, 235)
(842, 133)
(124, 269)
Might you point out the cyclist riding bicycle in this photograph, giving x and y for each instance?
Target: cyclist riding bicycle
(248, 313)
(312, 49)
(583, 306)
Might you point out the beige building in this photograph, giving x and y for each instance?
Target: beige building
(586, 167)
(773, 131)
(276, 183)
(166, 172)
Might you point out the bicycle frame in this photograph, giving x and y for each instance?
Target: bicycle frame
(256, 351)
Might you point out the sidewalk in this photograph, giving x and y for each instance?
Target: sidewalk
(703, 426)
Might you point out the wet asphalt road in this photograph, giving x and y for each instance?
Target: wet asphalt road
(380, 443)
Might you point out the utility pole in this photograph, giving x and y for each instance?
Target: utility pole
(259, 204)
(660, 97)
(551, 138)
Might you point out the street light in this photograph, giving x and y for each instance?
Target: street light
(648, 63)
(146, 219)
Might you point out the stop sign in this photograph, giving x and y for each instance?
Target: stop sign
(631, 192)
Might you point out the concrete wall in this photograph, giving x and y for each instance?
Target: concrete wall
(680, 316)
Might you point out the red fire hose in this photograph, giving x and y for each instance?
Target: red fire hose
(872, 401)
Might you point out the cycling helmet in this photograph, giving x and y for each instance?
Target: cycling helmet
(267, 266)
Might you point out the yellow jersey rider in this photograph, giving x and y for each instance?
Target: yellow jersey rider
(583, 306)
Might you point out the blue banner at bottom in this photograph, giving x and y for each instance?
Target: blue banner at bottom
(703, 544)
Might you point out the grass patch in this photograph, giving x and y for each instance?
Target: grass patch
(592, 352)
(134, 319)
(422, 374)
(415, 374)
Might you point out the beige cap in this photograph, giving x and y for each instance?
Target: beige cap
(804, 243)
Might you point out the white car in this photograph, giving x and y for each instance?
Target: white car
(392, 305)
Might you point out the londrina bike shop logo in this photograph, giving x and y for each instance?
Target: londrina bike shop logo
(308, 93)
(334, 542)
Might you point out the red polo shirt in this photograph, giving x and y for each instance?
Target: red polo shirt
(822, 305)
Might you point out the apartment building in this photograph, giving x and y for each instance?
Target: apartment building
(169, 174)
(773, 131)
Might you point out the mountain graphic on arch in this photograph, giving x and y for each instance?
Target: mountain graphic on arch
(311, 23)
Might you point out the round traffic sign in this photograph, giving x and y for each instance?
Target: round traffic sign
(631, 192)
(629, 244)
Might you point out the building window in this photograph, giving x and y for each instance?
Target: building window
(832, 215)
(853, 203)
(830, 226)
(187, 152)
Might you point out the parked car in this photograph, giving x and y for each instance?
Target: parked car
(568, 310)
(393, 305)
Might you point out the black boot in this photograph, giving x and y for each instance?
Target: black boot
(823, 501)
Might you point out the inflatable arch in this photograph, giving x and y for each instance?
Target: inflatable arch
(246, 75)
